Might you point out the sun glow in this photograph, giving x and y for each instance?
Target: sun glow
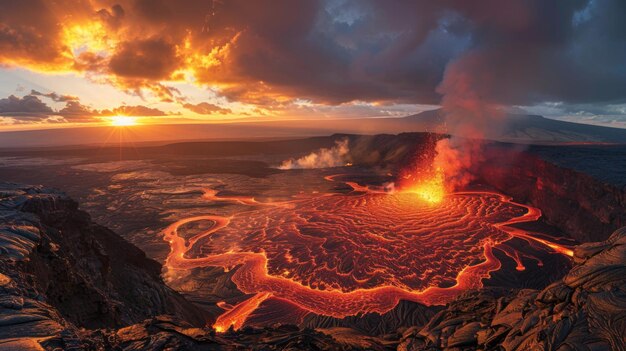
(90, 37)
(122, 121)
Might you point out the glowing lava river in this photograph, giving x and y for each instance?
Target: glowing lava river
(341, 254)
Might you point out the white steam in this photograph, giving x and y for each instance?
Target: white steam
(322, 158)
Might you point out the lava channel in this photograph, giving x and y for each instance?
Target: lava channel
(364, 251)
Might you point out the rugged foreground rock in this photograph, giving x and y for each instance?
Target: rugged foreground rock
(586, 310)
(68, 284)
(59, 271)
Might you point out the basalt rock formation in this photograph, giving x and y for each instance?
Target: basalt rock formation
(68, 284)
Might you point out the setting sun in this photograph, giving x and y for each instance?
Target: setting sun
(122, 121)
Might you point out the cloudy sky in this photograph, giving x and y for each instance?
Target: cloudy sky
(66, 62)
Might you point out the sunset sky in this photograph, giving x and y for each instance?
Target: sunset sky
(64, 63)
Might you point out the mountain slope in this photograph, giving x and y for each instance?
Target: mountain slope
(529, 129)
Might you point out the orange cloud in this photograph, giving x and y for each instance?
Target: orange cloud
(204, 108)
(137, 110)
(31, 109)
(141, 46)
(270, 53)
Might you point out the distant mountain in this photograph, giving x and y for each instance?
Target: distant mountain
(538, 128)
(514, 128)
(532, 129)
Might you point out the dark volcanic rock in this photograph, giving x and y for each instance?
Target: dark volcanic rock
(59, 271)
(579, 204)
(405, 314)
(164, 333)
(586, 310)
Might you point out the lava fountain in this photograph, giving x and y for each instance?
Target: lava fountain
(340, 254)
(431, 190)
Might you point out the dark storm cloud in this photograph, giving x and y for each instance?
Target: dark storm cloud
(27, 107)
(31, 109)
(273, 51)
(152, 59)
(525, 51)
(512, 52)
(312, 52)
(74, 111)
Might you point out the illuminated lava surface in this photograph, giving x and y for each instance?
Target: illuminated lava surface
(341, 254)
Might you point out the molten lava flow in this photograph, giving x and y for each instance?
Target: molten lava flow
(237, 315)
(343, 254)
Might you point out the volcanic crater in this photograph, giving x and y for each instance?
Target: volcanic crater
(346, 253)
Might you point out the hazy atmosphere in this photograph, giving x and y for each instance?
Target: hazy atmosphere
(312, 175)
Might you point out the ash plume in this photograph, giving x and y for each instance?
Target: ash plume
(322, 158)
(512, 46)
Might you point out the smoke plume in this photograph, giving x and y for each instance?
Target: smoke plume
(469, 115)
(322, 158)
(521, 52)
